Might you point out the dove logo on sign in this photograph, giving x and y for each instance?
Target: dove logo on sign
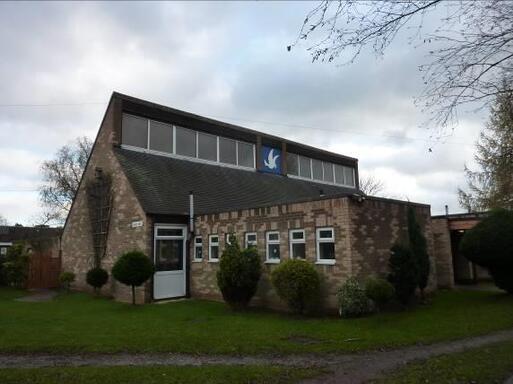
(271, 159)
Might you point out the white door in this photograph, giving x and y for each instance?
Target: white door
(170, 250)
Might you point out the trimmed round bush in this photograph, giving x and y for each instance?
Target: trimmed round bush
(380, 291)
(238, 274)
(403, 273)
(97, 277)
(490, 245)
(297, 283)
(66, 278)
(352, 300)
(133, 269)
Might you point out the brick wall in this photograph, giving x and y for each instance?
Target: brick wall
(364, 233)
(77, 246)
(443, 252)
(376, 225)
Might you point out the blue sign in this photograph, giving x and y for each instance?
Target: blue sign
(271, 160)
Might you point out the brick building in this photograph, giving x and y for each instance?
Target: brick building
(290, 200)
(452, 267)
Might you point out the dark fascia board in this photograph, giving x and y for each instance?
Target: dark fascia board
(462, 216)
(396, 201)
(175, 116)
(358, 197)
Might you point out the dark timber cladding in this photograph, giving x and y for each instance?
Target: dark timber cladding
(138, 107)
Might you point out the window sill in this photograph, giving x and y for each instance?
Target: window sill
(213, 261)
(325, 262)
(272, 262)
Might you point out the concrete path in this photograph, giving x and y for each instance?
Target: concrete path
(38, 296)
(347, 368)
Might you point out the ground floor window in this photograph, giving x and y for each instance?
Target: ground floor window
(198, 248)
(213, 248)
(297, 244)
(325, 238)
(273, 247)
(250, 239)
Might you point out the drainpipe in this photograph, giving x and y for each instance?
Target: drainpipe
(191, 212)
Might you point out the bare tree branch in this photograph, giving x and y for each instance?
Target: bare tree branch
(61, 177)
(471, 49)
(370, 185)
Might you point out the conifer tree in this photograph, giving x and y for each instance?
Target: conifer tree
(492, 185)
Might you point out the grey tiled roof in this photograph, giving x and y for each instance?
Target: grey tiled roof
(15, 233)
(162, 185)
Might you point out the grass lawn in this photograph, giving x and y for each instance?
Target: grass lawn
(157, 374)
(492, 364)
(82, 323)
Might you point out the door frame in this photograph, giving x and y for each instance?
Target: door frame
(157, 226)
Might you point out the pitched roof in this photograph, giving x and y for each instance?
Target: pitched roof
(162, 185)
(18, 232)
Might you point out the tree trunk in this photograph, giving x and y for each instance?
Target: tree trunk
(133, 294)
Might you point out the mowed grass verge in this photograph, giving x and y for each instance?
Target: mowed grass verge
(491, 364)
(157, 374)
(79, 322)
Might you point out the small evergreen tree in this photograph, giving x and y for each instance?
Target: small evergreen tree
(66, 279)
(403, 273)
(133, 269)
(418, 247)
(16, 265)
(297, 283)
(490, 245)
(97, 278)
(239, 273)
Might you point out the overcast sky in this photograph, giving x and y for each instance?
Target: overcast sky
(223, 60)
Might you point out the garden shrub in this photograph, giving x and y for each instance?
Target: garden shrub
(97, 277)
(133, 269)
(403, 273)
(15, 265)
(418, 246)
(238, 274)
(352, 300)
(66, 278)
(380, 291)
(297, 283)
(490, 245)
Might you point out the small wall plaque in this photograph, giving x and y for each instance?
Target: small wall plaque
(136, 224)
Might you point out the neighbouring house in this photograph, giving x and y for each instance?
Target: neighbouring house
(452, 267)
(43, 243)
(175, 185)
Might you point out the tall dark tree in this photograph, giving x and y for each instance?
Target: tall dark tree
(470, 44)
(61, 177)
(491, 186)
(418, 247)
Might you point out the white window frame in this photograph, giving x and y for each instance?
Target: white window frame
(246, 241)
(296, 241)
(319, 240)
(212, 244)
(272, 242)
(196, 246)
